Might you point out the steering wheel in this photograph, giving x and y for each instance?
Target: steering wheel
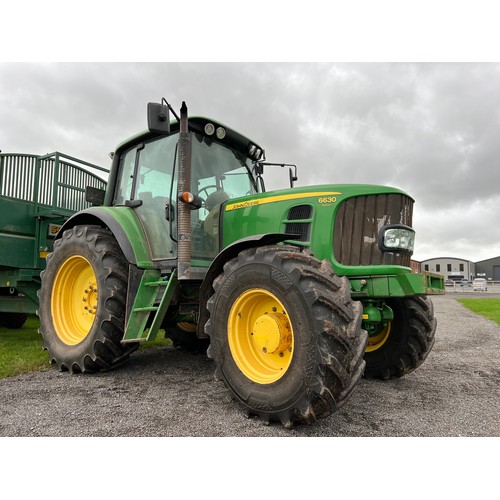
(206, 188)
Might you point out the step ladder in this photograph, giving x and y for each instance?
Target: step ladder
(143, 306)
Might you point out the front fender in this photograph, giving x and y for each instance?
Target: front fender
(125, 226)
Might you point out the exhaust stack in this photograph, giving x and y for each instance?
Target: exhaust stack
(184, 210)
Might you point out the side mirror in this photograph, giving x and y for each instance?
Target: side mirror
(94, 196)
(158, 118)
(293, 177)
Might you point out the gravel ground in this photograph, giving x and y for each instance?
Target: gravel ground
(168, 392)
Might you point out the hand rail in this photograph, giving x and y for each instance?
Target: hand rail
(53, 182)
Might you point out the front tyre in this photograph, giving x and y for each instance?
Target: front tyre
(405, 342)
(285, 335)
(82, 301)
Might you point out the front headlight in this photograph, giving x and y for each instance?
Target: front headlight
(396, 238)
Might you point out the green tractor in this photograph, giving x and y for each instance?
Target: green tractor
(294, 294)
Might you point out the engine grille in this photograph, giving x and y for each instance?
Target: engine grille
(302, 214)
(357, 225)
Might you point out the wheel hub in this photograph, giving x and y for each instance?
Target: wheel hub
(271, 333)
(379, 338)
(89, 298)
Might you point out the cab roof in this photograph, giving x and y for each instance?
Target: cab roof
(196, 124)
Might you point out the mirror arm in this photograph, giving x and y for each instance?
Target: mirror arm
(163, 100)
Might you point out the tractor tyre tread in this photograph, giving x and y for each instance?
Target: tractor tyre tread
(339, 342)
(101, 350)
(411, 340)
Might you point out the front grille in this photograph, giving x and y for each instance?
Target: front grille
(357, 225)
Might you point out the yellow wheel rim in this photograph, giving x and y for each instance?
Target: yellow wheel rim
(74, 300)
(260, 336)
(377, 341)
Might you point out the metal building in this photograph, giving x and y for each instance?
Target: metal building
(450, 267)
(489, 269)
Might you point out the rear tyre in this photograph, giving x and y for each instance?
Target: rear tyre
(405, 343)
(82, 301)
(13, 320)
(285, 335)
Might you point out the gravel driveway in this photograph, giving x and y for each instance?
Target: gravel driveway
(169, 392)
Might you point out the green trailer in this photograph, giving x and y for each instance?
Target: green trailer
(37, 195)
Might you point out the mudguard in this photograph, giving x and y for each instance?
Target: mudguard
(125, 226)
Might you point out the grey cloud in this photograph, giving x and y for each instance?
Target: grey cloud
(430, 129)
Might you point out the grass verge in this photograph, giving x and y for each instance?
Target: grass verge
(489, 308)
(21, 349)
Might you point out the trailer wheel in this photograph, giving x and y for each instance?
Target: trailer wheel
(13, 320)
(406, 341)
(285, 335)
(82, 301)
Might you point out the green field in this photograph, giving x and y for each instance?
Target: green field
(21, 349)
(489, 308)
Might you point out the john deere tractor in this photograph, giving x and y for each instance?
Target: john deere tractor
(296, 293)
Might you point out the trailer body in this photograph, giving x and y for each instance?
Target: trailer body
(37, 195)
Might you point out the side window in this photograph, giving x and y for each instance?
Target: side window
(154, 173)
(126, 176)
(219, 173)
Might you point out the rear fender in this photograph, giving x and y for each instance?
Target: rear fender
(123, 224)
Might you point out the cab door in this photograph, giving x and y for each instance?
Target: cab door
(146, 183)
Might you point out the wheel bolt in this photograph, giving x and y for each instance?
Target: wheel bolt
(264, 349)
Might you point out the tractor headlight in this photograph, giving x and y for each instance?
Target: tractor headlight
(254, 152)
(397, 238)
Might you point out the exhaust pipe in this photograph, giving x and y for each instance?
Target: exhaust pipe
(184, 210)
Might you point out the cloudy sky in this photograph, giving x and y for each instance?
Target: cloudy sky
(431, 129)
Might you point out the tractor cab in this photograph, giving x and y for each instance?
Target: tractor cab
(145, 176)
